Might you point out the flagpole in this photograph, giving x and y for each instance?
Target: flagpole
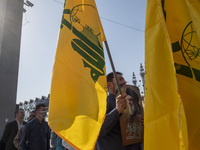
(113, 67)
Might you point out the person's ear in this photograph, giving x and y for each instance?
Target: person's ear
(110, 85)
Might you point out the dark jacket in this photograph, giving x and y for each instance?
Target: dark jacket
(110, 137)
(9, 134)
(37, 134)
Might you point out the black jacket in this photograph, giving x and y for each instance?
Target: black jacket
(9, 134)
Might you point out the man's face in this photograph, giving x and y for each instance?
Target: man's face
(41, 109)
(20, 114)
(42, 112)
(112, 86)
(120, 80)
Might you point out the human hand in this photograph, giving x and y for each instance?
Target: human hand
(121, 103)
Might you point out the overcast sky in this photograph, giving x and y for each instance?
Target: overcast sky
(123, 22)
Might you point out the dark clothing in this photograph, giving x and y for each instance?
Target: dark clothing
(9, 134)
(37, 134)
(110, 137)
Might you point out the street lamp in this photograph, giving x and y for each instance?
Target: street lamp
(28, 3)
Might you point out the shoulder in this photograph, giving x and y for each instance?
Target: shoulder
(46, 123)
(45, 126)
(30, 123)
(110, 97)
(12, 123)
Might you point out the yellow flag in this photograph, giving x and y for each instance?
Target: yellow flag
(184, 30)
(78, 90)
(172, 99)
(172, 41)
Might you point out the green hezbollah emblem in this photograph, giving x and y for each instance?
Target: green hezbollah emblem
(87, 44)
(190, 52)
(189, 47)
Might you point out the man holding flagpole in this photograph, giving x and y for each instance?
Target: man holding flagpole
(110, 137)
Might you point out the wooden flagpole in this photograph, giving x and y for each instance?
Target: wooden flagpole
(113, 67)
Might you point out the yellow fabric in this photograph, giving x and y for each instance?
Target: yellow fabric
(78, 90)
(172, 57)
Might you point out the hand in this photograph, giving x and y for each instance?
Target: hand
(121, 103)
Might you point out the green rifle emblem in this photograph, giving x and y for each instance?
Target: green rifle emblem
(87, 43)
(189, 50)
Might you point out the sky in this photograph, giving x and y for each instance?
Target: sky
(123, 22)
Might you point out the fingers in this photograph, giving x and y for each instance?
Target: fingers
(121, 103)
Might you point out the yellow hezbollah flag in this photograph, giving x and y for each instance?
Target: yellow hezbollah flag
(183, 25)
(78, 90)
(173, 75)
(172, 41)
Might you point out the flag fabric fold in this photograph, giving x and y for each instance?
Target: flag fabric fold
(172, 59)
(78, 89)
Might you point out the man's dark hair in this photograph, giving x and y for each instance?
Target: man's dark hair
(110, 76)
(39, 106)
(17, 111)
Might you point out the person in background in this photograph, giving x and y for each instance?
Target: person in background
(36, 133)
(67, 146)
(53, 140)
(19, 134)
(11, 130)
(59, 145)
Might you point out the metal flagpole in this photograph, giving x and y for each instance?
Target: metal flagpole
(113, 67)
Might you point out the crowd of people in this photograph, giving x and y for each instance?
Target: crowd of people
(35, 134)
